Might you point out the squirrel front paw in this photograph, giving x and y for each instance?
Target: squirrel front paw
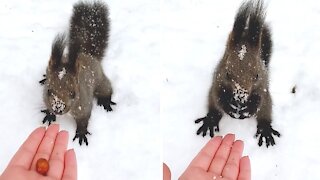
(106, 103)
(43, 81)
(266, 131)
(209, 123)
(50, 117)
(82, 136)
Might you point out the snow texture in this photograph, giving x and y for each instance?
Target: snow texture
(195, 35)
(62, 73)
(242, 52)
(240, 94)
(124, 143)
(173, 61)
(57, 104)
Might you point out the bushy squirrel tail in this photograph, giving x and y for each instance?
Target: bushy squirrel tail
(248, 23)
(250, 28)
(89, 30)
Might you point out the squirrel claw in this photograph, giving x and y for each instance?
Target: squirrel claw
(43, 81)
(50, 117)
(106, 103)
(208, 123)
(266, 131)
(82, 137)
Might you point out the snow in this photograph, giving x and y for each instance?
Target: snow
(242, 52)
(124, 143)
(57, 104)
(195, 34)
(62, 73)
(174, 63)
(240, 94)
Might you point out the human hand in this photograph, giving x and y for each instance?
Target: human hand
(219, 159)
(49, 144)
(166, 172)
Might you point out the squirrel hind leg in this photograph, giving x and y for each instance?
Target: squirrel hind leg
(103, 93)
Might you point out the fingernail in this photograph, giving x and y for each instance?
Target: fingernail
(240, 141)
(64, 131)
(231, 135)
(41, 128)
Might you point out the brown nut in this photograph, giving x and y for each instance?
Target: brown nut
(42, 166)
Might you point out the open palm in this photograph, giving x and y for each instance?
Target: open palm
(49, 144)
(219, 159)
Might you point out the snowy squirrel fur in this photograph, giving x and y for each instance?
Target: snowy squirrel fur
(74, 79)
(240, 83)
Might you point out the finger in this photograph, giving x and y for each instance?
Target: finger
(70, 166)
(222, 154)
(166, 172)
(204, 157)
(245, 169)
(56, 162)
(231, 169)
(46, 146)
(28, 149)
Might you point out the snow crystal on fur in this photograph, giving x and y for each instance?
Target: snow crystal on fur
(242, 52)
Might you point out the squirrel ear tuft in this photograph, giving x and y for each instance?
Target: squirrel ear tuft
(58, 46)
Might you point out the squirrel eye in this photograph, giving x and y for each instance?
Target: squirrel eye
(256, 77)
(72, 94)
(49, 92)
(228, 76)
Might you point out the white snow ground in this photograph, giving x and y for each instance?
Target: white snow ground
(195, 33)
(125, 143)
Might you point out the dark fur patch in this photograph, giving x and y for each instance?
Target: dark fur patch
(252, 105)
(225, 95)
(256, 21)
(105, 102)
(240, 23)
(58, 46)
(266, 45)
(89, 30)
(254, 13)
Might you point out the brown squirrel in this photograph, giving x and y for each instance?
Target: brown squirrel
(240, 85)
(75, 78)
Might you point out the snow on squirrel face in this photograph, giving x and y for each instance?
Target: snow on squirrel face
(57, 104)
(242, 52)
(240, 94)
(62, 73)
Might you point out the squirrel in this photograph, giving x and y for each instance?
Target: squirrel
(240, 85)
(75, 78)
